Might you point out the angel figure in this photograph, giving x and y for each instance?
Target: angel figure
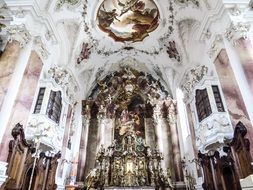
(126, 6)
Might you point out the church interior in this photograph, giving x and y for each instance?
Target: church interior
(126, 94)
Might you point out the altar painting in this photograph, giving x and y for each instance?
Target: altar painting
(130, 123)
(128, 20)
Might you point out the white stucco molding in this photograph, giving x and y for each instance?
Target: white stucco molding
(216, 46)
(213, 15)
(191, 79)
(19, 33)
(236, 31)
(40, 48)
(65, 79)
(218, 20)
(23, 8)
(52, 133)
(213, 132)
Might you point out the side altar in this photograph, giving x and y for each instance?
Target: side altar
(129, 163)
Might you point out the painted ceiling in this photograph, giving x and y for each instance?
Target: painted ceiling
(149, 35)
(128, 20)
(98, 37)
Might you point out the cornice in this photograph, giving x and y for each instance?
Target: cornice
(210, 18)
(32, 7)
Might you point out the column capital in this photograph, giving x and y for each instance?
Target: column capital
(19, 33)
(237, 30)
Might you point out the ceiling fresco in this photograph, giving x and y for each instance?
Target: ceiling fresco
(128, 20)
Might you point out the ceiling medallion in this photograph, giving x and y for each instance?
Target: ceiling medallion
(128, 20)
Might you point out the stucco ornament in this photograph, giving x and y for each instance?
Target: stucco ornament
(19, 33)
(192, 78)
(213, 131)
(66, 81)
(237, 30)
(40, 48)
(60, 3)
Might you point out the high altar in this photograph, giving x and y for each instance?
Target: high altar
(130, 163)
(129, 126)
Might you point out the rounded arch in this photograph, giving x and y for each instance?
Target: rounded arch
(125, 84)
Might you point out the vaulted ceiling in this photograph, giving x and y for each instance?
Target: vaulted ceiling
(160, 37)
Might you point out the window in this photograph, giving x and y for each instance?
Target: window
(54, 106)
(218, 100)
(39, 100)
(202, 104)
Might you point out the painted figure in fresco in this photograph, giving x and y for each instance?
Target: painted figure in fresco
(106, 18)
(85, 53)
(172, 51)
(129, 20)
(126, 6)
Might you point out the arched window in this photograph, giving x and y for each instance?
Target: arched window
(202, 104)
(54, 106)
(40, 97)
(218, 99)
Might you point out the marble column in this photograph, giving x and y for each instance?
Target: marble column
(172, 120)
(101, 116)
(162, 135)
(232, 94)
(237, 34)
(108, 132)
(65, 143)
(157, 115)
(92, 147)
(8, 61)
(167, 144)
(239, 50)
(193, 136)
(23, 101)
(149, 132)
(14, 81)
(244, 49)
(83, 144)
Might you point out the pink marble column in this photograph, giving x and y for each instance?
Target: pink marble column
(245, 51)
(193, 136)
(8, 61)
(175, 142)
(23, 101)
(83, 145)
(234, 101)
(66, 137)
